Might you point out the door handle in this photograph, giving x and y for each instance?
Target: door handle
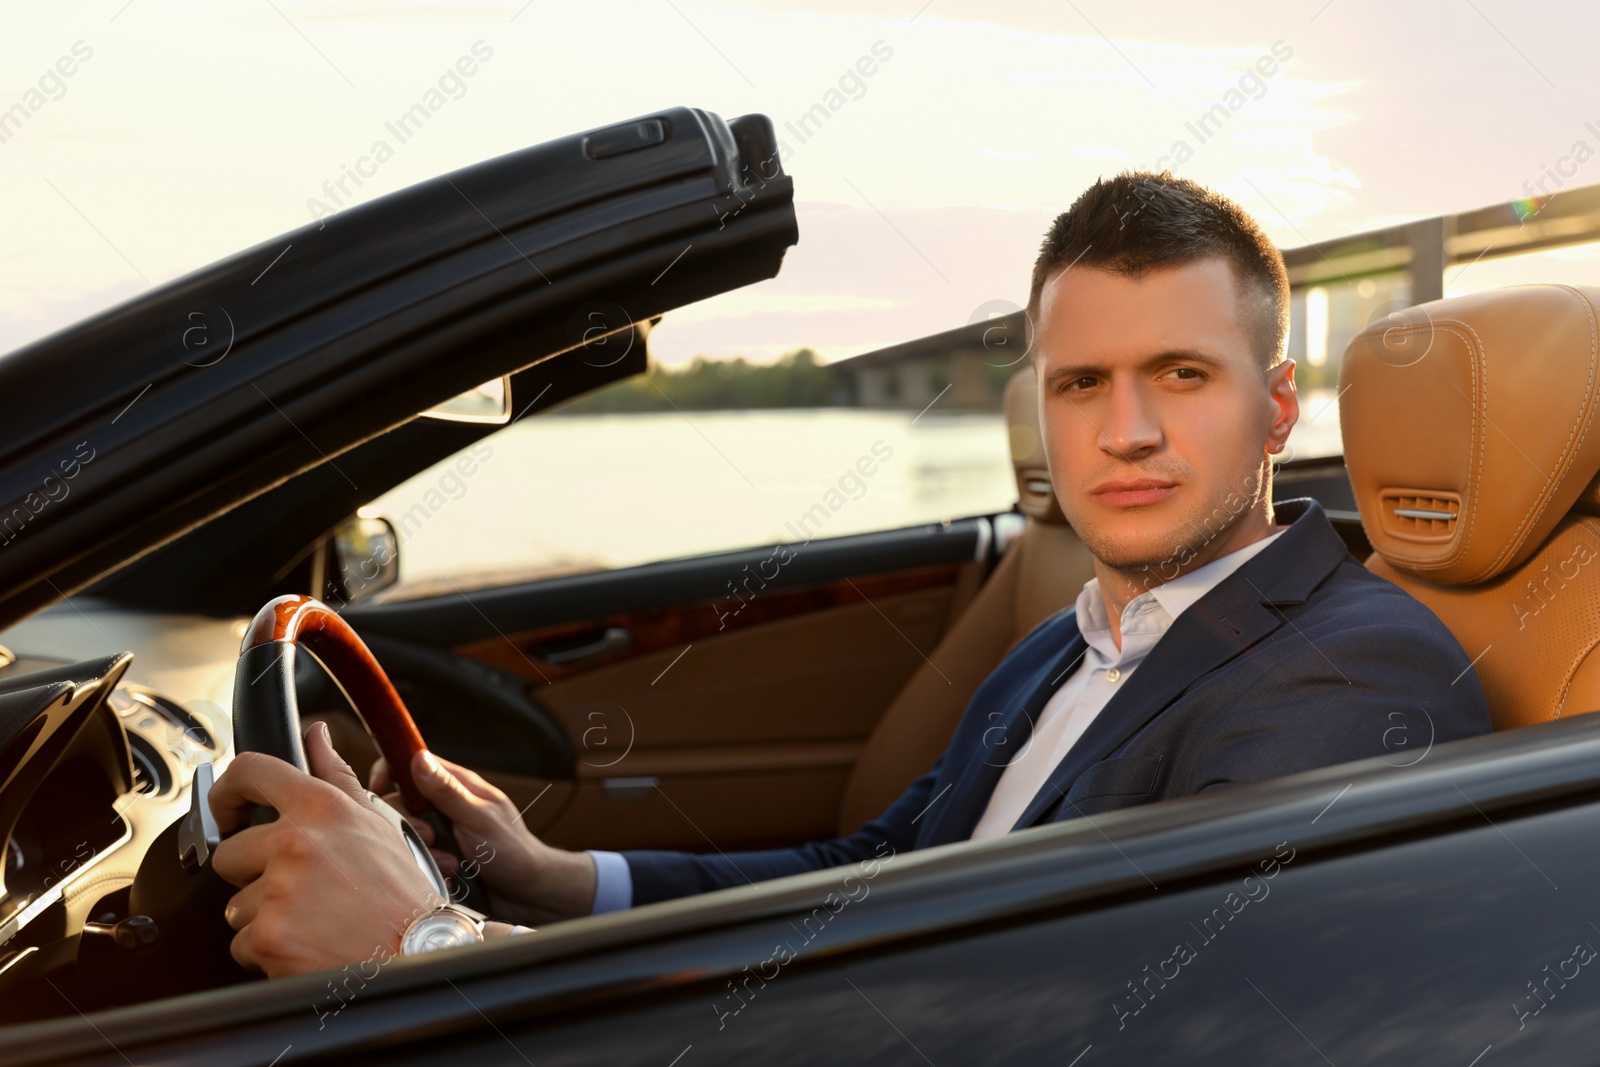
(628, 790)
(615, 639)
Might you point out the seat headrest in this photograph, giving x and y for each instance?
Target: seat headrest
(1035, 494)
(1469, 426)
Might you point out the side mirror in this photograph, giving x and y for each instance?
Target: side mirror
(366, 553)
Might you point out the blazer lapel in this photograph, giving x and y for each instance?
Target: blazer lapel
(1198, 643)
(1239, 612)
(1005, 733)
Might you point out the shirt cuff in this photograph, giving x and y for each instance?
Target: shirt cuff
(613, 882)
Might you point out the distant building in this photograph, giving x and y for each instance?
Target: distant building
(965, 369)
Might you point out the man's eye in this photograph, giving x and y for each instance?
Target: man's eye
(1184, 374)
(1079, 384)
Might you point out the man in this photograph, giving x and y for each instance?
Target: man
(1220, 642)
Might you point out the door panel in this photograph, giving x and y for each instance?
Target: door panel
(551, 654)
(756, 809)
(716, 719)
(454, 620)
(822, 675)
(806, 689)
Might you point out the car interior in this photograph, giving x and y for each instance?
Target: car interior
(625, 709)
(694, 767)
(362, 368)
(798, 718)
(831, 748)
(801, 717)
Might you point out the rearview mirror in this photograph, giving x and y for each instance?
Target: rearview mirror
(366, 552)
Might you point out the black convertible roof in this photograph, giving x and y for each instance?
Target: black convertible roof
(152, 418)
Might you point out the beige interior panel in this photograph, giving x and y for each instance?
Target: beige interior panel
(825, 675)
(751, 734)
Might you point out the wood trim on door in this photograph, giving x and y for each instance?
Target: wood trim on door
(652, 629)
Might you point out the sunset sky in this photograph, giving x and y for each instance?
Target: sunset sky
(195, 129)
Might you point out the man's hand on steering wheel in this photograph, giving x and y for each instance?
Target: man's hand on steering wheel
(332, 881)
(528, 881)
(327, 883)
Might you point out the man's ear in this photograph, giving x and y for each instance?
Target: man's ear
(1285, 405)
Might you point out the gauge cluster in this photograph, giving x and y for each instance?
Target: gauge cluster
(166, 740)
(92, 770)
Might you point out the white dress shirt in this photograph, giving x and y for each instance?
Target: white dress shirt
(1103, 670)
(1064, 717)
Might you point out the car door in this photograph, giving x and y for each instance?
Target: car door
(718, 701)
(1433, 912)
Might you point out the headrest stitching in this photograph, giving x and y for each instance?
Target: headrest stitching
(1570, 452)
(1480, 437)
(1564, 462)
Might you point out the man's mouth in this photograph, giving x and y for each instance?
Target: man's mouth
(1133, 492)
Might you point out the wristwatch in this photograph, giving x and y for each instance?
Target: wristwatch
(448, 926)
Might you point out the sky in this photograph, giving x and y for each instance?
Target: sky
(190, 130)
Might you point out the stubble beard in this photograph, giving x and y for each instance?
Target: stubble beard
(1207, 525)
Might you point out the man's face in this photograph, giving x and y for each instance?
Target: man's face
(1158, 417)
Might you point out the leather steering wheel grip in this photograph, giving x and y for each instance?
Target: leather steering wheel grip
(266, 712)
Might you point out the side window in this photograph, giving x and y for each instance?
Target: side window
(580, 490)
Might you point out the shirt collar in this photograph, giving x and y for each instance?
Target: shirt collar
(1172, 598)
(1182, 592)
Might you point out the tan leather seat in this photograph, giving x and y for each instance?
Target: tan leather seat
(1471, 439)
(1040, 574)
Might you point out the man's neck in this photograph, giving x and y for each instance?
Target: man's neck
(1119, 587)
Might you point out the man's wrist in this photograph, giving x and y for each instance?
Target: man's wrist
(550, 884)
(565, 885)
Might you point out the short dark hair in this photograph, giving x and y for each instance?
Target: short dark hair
(1138, 221)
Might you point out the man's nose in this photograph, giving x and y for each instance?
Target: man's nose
(1131, 428)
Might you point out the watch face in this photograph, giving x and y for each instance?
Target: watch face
(440, 929)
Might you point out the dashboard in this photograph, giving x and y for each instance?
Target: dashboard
(98, 750)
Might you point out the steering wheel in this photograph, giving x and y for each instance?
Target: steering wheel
(266, 711)
(175, 884)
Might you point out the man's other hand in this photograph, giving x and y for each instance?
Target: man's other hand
(329, 882)
(528, 880)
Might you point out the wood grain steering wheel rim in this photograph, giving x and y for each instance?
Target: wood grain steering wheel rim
(266, 714)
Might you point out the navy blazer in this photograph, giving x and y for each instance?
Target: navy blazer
(1299, 659)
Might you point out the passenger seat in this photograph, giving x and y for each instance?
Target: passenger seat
(1471, 438)
(1040, 574)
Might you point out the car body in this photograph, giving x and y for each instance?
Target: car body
(1413, 906)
